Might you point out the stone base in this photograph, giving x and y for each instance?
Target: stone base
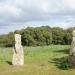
(18, 60)
(71, 60)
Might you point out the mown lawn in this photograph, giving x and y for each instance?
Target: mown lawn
(38, 61)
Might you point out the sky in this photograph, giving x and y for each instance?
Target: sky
(18, 14)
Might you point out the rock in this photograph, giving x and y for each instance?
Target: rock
(71, 57)
(72, 50)
(18, 55)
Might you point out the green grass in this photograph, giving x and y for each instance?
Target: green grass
(38, 61)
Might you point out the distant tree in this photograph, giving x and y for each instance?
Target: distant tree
(58, 35)
(38, 36)
(27, 40)
(68, 36)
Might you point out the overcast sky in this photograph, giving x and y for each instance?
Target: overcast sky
(17, 14)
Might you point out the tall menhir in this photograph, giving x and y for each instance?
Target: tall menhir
(72, 51)
(18, 54)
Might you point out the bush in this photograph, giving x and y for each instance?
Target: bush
(64, 64)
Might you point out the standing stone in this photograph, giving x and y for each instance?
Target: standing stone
(72, 51)
(18, 55)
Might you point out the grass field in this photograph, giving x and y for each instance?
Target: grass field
(38, 61)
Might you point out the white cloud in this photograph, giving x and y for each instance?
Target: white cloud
(22, 11)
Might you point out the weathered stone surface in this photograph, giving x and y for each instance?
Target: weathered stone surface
(71, 60)
(18, 55)
(72, 51)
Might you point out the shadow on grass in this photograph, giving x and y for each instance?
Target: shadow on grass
(8, 62)
(65, 51)
(61, 63)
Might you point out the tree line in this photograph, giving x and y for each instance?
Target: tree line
(39, 36)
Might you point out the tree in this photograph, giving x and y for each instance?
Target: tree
(58, 35)
(27, 40)
(38, 36)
